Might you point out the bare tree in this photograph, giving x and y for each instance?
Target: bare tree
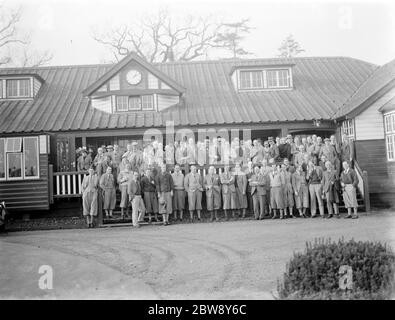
(289, 48)
(14, 46)
(232, 37)
(8, 32)
(160, 38)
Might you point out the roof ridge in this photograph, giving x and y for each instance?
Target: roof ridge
(225, 60)
(59, 66)
(362, 84)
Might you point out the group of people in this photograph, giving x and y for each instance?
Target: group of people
(269, 179)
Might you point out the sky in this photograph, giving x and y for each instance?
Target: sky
(360, 29)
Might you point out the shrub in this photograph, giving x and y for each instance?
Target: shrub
(314, 274)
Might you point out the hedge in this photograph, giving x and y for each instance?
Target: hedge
(314, 274)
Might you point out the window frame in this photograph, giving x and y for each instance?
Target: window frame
(264, 72)
(348, 128)
(19, 149)
(251, 79)
(8, 178)
(151, 97)
(24, 159)
(277, 77)
(389, 132)
(139, 103)
(117, 105)
(18, 88)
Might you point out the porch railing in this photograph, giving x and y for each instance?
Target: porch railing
(68, 184)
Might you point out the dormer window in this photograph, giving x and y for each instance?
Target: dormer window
(134, 103)
(277, 78)
(264, 79)
(251, 79)
(18, 88)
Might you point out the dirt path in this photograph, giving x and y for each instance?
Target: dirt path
(232, 260)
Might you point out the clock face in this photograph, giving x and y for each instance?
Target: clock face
(133, 77)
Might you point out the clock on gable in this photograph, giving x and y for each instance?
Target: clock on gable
(133, 77)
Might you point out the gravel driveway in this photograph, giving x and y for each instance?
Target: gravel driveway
(225, 260)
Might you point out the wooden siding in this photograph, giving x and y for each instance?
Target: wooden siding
(36, 86)
(28, 194)
(102, 104)
(369, 124)
(165, 101)
(371, 156)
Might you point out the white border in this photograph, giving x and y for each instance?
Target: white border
(5, 162)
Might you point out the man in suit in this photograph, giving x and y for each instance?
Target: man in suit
(301, 191)
(257, 200)
(136, 199)
(314, 176)
(148, 186)
(212, 185)
(249, 172)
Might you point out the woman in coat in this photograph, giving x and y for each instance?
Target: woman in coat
(107, 184)
(89, 196)
(228, 191)
(123, 179)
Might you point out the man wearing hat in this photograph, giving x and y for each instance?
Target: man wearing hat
(136, 200)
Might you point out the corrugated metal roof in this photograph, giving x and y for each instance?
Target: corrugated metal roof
(378, 79)
(321, 86)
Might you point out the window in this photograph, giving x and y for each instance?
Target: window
(14, 165)
(14, 144)
(348, 128)
(251, 79)
(277, 78)
(30, 156)
(19, 160)
(122, 103)
(147, 102)
(134, 103)
(264, 79)
(2, 159)
(18, 88)
(389, 120)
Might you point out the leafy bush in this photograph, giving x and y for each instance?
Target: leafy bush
(315, 273)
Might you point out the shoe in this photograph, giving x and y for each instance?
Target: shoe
(217, 219)
(323, 217)
(329, 216)
(349, 216)
(292, 216)
(355, 217)
(180, 219)
(274, 217)
(315, 216)
(338, 216)
(281, 217)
